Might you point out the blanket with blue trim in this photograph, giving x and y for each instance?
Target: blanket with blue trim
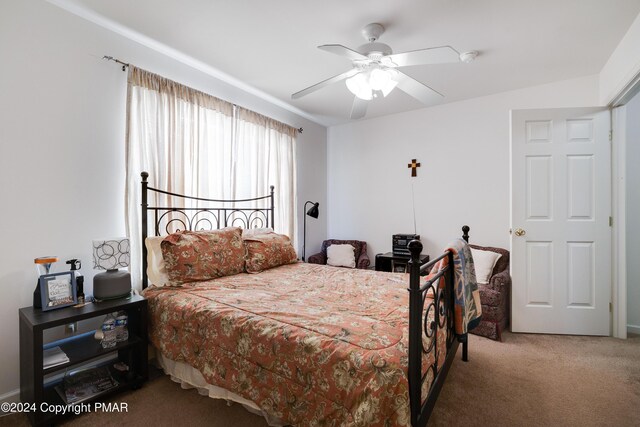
(467, 309)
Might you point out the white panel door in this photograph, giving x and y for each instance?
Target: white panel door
(560, 208)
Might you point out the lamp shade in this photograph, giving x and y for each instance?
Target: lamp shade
(359, 86)
(379, 79)
(313, 211)
(373, 81)
(111, 254)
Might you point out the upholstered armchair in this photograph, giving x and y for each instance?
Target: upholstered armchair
(362, 259)
(494, 297)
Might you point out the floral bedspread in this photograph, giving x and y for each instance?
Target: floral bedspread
(310, 344)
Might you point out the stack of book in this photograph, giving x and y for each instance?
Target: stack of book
(53, 357)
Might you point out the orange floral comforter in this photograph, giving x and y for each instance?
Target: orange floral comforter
(310, 344)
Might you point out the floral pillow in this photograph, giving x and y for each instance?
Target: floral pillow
(269, 250)
(193, 256)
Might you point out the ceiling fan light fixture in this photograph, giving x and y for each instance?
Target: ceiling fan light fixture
(379, 79)
(359, 86)
(390, 80)
(370, 83)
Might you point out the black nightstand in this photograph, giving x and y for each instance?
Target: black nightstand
(81, 348)
(396, 263)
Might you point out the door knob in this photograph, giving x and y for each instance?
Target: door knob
(520, 232)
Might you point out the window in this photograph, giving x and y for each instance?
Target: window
(195, 144)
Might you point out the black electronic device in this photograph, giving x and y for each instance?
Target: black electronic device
(400, 241)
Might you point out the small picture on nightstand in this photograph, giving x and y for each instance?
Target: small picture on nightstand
(58, 290)
(398, 266)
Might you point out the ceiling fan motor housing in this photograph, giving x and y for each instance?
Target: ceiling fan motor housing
(375, 51)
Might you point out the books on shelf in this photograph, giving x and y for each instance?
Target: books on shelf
(83, 385)
(54, 356)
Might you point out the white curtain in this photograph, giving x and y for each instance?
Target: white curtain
(195, 144)
(263, 154)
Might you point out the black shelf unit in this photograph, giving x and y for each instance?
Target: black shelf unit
(395, 262)
(80, 349)
(85, 347)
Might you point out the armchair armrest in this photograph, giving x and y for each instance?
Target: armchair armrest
(318, 258)
(363, 261)
(500, 282)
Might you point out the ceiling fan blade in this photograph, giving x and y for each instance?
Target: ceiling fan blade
(359, 108)
(432, 55)
(324, 83)
(340, 50)
(419, 91)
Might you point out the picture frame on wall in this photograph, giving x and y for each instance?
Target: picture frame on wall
(58, 290)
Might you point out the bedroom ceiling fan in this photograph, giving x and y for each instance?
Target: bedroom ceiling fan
(375, 70)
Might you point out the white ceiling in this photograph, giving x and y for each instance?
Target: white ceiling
(272, 45)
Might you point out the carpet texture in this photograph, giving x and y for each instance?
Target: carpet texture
(527, 380)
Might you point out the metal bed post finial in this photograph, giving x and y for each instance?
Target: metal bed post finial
(144, 204)
(415, 331)
(465, 233)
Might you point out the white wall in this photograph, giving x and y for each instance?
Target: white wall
(312, 185)
(622, 66)
(464, 178)
(633, 213)
(62, 127)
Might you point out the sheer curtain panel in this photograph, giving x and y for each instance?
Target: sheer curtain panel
(195, 144)
(263, 155)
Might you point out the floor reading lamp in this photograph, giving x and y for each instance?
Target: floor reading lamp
(313, 212)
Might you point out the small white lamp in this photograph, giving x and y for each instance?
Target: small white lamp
(111, 255)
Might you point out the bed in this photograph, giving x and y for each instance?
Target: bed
(304, 344)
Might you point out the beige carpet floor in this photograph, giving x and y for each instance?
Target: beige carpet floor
(527, 380)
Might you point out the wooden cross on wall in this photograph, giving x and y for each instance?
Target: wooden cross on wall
(414, 167)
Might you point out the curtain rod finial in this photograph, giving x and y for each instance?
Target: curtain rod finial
(116, 60)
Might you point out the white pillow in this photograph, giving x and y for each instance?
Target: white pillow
(248, 232)
(484, 261)
(156, 270)
(341, 256)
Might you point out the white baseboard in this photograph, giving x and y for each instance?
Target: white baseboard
(633, 329)
(11, 397)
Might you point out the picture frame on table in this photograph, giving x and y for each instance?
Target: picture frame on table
(58, 290)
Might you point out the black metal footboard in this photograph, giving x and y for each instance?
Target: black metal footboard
(425, 323)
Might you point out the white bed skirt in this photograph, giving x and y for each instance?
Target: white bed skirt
(190, 377)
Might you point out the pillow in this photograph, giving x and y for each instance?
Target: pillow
(156, 269)
(484, 262)
(341, 256)
(266, 251)
(256, 231)
(193, 256)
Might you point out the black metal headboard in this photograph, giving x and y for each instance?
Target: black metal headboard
(217, 214)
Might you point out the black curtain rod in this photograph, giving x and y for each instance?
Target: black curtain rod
(125, 65)
(111, 58)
